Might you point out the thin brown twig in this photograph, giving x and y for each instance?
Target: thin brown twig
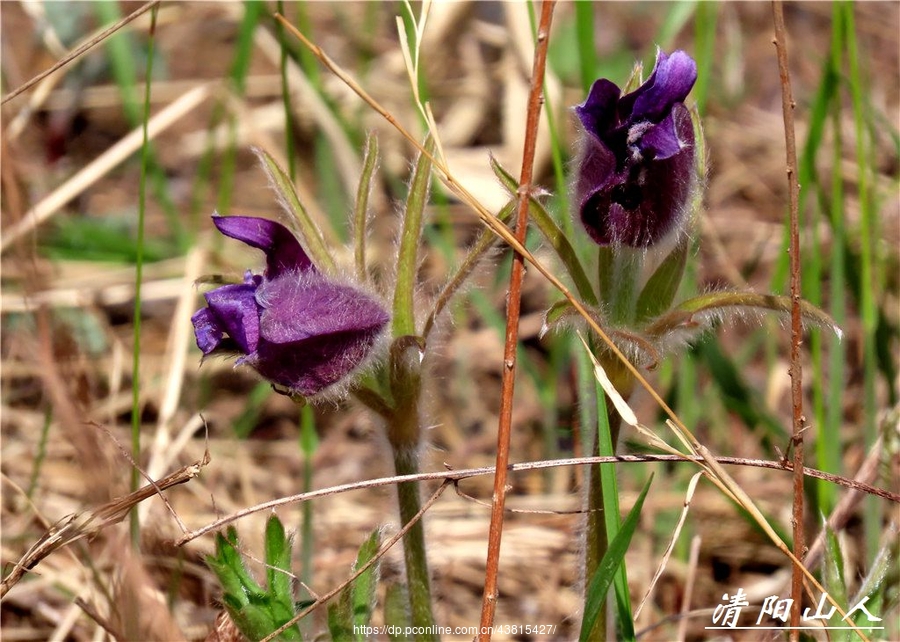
(795, 370)
(457, 475)
(513, 309)
(75, 53)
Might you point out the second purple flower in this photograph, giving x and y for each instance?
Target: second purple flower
(296, 327)
(636, 168)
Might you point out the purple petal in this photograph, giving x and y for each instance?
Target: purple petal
(283, 251)
(598, 112)
(641, 209)
(311, 365)
(670, 83)
(596, 169)
(313, 332)
(207, 330)
(663, 141)
(233, 310)
(298, 306)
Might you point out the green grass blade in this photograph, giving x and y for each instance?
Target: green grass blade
(309, 443)
(870, 278)
(610, 488)
(609, 566)
(136, 407)
(240, 66)
(705, 26)
(587, 51)
(679, 14)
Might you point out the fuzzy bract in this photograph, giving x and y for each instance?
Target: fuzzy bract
(292, 324)
(636, 166)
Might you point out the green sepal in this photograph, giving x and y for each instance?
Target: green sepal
(404, 320)
(309, 232)
(554, 235)
(661, 287)
(635, 80)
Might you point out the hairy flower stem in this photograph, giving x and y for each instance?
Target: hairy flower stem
(404, 433)
(622, 271)
(406, 462)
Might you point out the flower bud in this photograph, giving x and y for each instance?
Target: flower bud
(636, 166)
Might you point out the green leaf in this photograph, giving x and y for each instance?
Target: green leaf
(396, 611)
(661, 287)
(556, 313)
(363, 589)
(408, 255)
(834, 567)
(606, 571)
(356, 602)
(699, 311)
(229, 568)
(361, 210)
(278, 560)
(256, 613)
(309, 232)
(340, 618)
(554, 235)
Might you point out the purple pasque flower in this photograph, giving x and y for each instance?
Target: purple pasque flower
(636, 167)
(293, 325)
